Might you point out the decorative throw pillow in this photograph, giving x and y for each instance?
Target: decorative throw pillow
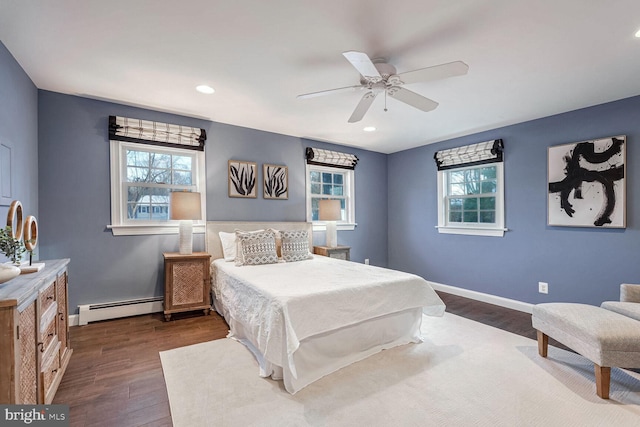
(295, 245)
(255, 248)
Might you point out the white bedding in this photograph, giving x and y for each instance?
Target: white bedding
(280, 305)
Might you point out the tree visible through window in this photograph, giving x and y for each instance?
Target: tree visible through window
(151, 176)
(471, 195)
(471, 200)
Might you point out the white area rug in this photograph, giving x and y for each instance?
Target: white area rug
(464, 374)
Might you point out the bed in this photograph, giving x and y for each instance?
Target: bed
(308, 318)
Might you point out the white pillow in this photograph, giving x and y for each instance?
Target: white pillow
(228, 241)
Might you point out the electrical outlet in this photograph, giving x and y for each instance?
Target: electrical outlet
(543, 287)
(366, 261)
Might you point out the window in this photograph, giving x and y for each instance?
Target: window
(471, 189)
(325, 182)
(142, 177)
(471, 200)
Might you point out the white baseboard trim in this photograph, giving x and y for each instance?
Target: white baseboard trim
(488, 298)
(73, 320)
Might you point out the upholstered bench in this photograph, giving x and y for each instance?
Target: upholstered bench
(606, 338)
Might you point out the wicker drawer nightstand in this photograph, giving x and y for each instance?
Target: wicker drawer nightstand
(339, 252)
(186, 283)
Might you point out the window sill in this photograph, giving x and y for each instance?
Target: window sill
(341, 226)
(146, 229)
(493, 232)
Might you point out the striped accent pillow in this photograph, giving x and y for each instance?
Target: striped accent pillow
(295, 245)
(256, 248)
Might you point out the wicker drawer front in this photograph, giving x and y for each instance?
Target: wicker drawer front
(187, 283)
(47, 296)
(28, 357)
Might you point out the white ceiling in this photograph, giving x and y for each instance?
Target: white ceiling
(527, 59)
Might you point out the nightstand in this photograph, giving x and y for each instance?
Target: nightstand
(186, 283)
(339, 252)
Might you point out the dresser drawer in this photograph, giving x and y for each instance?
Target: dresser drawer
(47, 297)
(47, 336)
(50, 368)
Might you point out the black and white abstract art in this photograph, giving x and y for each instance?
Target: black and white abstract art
(276, 182)
(243, 177)
(586, 183)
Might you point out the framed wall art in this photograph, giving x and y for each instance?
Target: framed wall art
(243, 178)
(276, 182)
(587, 183)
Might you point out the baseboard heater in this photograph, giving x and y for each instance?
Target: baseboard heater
(116, 309)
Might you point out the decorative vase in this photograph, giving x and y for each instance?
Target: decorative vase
(8, 272)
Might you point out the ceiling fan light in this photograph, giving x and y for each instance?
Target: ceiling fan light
(208, 90)
(369, 129)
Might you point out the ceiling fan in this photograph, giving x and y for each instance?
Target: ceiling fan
(377, 76)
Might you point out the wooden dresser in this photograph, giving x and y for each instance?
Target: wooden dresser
(34, 334)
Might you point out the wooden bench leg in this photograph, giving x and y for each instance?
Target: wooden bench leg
(603, 380)
(543, 344)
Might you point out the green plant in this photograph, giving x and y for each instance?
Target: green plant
(10, 246)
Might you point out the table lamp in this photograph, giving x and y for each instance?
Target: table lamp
(185, 206)
(329, 211)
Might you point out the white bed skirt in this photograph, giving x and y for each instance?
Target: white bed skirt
(322, 354)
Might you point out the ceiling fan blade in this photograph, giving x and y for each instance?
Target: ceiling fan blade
(362, 63)
(451, 69)
(412, 98)
(329, 92)
(363, 106)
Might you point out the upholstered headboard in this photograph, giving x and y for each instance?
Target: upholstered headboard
(214, 246)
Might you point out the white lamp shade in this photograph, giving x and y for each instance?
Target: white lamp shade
(329, 210)
(185, 205)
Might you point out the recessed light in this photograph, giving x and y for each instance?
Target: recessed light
(369, 129)
(205, 89)
(638, 34)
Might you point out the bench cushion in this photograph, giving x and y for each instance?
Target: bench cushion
(629, 309)
(603, 336)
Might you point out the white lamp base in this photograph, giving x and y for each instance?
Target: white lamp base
(332, 234)
(186, 237)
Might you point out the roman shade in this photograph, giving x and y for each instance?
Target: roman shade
(470, 155)
(156, 133)
(336, 159)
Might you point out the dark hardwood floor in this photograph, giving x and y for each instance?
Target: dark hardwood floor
(115, 376)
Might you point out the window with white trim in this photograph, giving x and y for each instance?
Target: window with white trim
(330, 175)
(148, 161)
(324, 182)
(471, 191)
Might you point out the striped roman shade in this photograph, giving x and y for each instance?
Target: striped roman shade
(336, 159)
(470, 155)
(156, 133)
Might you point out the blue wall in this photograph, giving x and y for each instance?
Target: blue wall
(19, 131)
(75, 196)
(580, 264)
(61, 164)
